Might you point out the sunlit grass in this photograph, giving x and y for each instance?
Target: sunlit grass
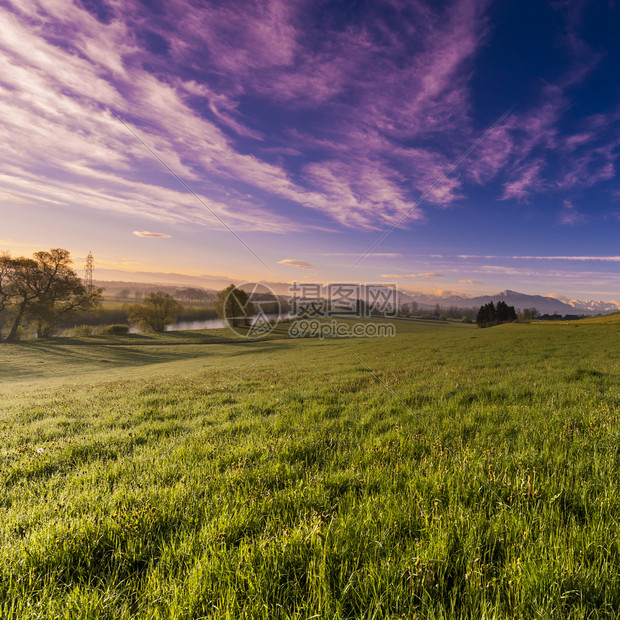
(606, 319)
(453, 472)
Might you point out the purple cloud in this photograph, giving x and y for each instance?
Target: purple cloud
(423, 276)
(150, 235)
(526, 181)
(380, 107)
(293, 262)
(570, 216)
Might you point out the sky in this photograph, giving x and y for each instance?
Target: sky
(464, 145)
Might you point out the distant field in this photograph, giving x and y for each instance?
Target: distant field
(109, 304)
(449, 471)
(607, 319)
(114, 303)
(601, 320)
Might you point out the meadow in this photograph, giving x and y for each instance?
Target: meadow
(448, 472)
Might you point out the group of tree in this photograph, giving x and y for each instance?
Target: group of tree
(194, 294)
(438, 312)
(40, 291)
(559, 317)
(490, 314)
(529, 314)
(455, 312)
(188, 295)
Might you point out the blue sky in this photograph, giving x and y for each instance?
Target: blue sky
(196, 137)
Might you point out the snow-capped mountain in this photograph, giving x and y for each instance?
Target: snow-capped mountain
(589, 306)
(549, 304)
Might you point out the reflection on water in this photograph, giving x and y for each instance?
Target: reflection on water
(206, 324)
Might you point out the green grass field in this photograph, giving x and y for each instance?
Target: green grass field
(448, 472)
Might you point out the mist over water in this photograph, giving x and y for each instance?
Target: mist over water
(206, 324)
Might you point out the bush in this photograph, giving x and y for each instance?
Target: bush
(115, 330)
(81, 330)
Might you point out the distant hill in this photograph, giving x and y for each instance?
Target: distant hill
(170, 279)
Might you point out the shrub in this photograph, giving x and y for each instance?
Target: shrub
(115, 330)
(81, 330)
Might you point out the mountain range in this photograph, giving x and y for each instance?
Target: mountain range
(545, 304)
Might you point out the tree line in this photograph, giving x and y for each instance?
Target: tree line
(189, 295)
(413, 309)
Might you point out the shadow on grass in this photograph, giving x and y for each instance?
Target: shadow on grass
(54, 356)
(66, 355)
(180, 337)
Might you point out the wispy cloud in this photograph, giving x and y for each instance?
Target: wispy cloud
(386, 103)
(570, 216)
(113, 194)
(527, 181)
(423, 276)
(150, 235)
(375, 254)
(133, 61)
(585, 278)
(583, 150)
(293, 262)
(612, 259)
(55, 123)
